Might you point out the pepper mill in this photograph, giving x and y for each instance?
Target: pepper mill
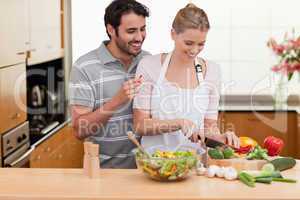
(86, 157)
(91, 163)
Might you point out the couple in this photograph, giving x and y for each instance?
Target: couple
(167, 99)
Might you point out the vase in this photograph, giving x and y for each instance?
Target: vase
(280, 89)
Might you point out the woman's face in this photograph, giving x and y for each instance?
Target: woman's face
(190, 42)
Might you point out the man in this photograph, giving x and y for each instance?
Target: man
(102, 84)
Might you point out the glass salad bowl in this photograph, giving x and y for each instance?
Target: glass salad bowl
(163, 164)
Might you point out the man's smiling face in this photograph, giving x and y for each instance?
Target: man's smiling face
(131, 33)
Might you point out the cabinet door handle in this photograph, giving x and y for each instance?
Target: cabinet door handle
(21, 53)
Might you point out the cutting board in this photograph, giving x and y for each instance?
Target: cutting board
(238, 163)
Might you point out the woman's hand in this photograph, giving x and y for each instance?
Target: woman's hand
(231, 139)
(190, 130)
(187, 127)
(228, 137)
(198, 135)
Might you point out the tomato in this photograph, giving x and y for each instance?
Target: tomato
(274, 145)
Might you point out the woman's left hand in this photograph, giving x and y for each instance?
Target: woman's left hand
(231, 139)
(198, 135)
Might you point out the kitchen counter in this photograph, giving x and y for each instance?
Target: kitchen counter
(258, 103)
(61, 184)
(256, 107)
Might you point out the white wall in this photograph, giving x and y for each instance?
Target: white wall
(237, 39)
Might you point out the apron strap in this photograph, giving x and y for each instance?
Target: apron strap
(164, 68)
(159, 81)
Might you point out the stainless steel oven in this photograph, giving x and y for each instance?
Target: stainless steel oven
(16, 148)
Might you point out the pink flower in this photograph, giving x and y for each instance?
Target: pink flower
(297, 67)
(297, 43)
(289, 53)
(276, 68)
(279, 49)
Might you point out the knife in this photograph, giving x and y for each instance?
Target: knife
(214, 143)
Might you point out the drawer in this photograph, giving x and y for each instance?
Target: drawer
(13, 104)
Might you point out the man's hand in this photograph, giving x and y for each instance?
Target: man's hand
(129, 89)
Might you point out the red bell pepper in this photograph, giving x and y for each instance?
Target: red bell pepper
(244, 150)
(273, 145)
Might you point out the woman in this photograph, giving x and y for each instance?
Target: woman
(175, 104)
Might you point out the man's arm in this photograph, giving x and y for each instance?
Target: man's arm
(86, 122)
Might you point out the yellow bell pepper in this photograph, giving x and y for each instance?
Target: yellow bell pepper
(247, 141)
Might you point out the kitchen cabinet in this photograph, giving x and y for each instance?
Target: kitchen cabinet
(30, 29)
(14, 35)
(12, 96)
(45, 31)
(62, 150)
(259, 125)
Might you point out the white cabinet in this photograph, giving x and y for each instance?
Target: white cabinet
(30, 29)
(14, 35)
(44, 30)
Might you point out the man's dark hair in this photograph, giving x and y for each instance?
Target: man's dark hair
(116, 9)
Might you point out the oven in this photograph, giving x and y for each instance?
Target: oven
(16, 148)
(45, 98)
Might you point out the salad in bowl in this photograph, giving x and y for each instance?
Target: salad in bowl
(163, 164)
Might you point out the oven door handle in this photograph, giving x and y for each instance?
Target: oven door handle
(25, 155)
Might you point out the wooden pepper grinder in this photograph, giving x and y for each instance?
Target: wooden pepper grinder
(91, 163)
(86, 158)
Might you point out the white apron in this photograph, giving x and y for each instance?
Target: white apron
(170, 102)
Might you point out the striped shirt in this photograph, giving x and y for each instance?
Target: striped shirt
(95, 78)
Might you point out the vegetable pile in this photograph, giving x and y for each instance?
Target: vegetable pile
(249, 149)
(166, 165)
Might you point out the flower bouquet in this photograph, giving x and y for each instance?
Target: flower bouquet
(288, 54)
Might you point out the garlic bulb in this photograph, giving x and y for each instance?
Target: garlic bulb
(220, 172)
(212, 170)
(230, 173)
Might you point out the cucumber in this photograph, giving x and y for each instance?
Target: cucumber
(283, 163)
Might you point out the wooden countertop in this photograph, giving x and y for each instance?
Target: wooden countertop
(46, 184)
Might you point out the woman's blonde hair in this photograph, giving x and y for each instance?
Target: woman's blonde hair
(190, 16)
